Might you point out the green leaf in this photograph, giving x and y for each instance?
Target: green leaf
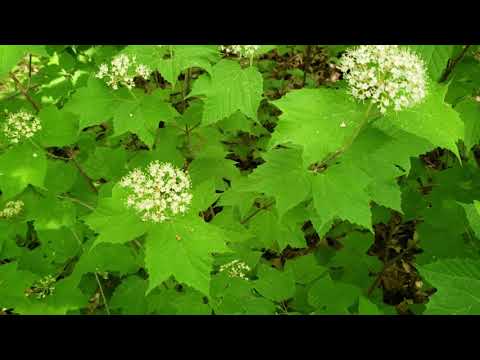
(184, 57)
(114, 222)
(312, 118)
(129, 296)
(183, 248)
(100, 259)
(356, 266)
(20, 166)
(231, 89)
(10, 55)
(188, 56)
(458, 287)
(60, 176)
(366, 307)
(435, 56)
(464, 81)
(305, 269)
(282, 170)
(106, 163)
(142, 115)
(95, 103)
(433, 120)
(473, 215)
(50, 213)
(340, 192)
(274, 284)
(59, 128)
(272, 234)
(469, 111)
(331, 297)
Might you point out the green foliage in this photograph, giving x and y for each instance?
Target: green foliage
(458, 286)
(229, 89)
(304, 199)
(436, 58)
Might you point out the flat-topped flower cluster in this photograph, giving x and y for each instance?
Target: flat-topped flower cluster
(122, 71)
(12, 208)
(42, 288)
(236, 268)
(247, 51)
(20, 125)
(389, 76)
(159, 193)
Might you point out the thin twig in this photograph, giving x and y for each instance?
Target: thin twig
(348, 143)
(29, 71)
(452, 64)
(84, 174)
(185, 89)
(25, 93)
(102, 293)
(252, 215)
(107, 309)
(77, 201)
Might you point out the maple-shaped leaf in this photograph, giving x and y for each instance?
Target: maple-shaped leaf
(332, 297)
(473, 215)
(458, 286)
(433, 120)
(435, 56)
(320, 120)
(183, 248)
(59, 128)
(20, 166)
(95, 103)
(114, 222)
(142, 114)
(282, 176)
(230, 89)
(341, 192)
(469, 111)
(180, 58)
(10, 55)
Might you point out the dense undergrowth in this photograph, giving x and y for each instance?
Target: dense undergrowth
(237, 180)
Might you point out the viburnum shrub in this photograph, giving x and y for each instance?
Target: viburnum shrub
(239, 179)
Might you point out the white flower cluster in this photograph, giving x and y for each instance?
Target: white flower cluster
(42, 288)
(123, 70)
(240, 50)
(236, 268)
(21, 125)
(389, 76)
(12, 208)
(160, 193)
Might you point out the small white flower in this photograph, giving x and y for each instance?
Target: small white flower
(343, 124)
(42, 288)
(248, 51)
(159, 193)
(20, 126)
(389, 76)
(12, 208)
(122, 71)
(236, 268)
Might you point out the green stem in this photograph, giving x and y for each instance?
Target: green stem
(133, 94)
(359, 129)
(102, 293)
(77, 201)
(350, 140)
